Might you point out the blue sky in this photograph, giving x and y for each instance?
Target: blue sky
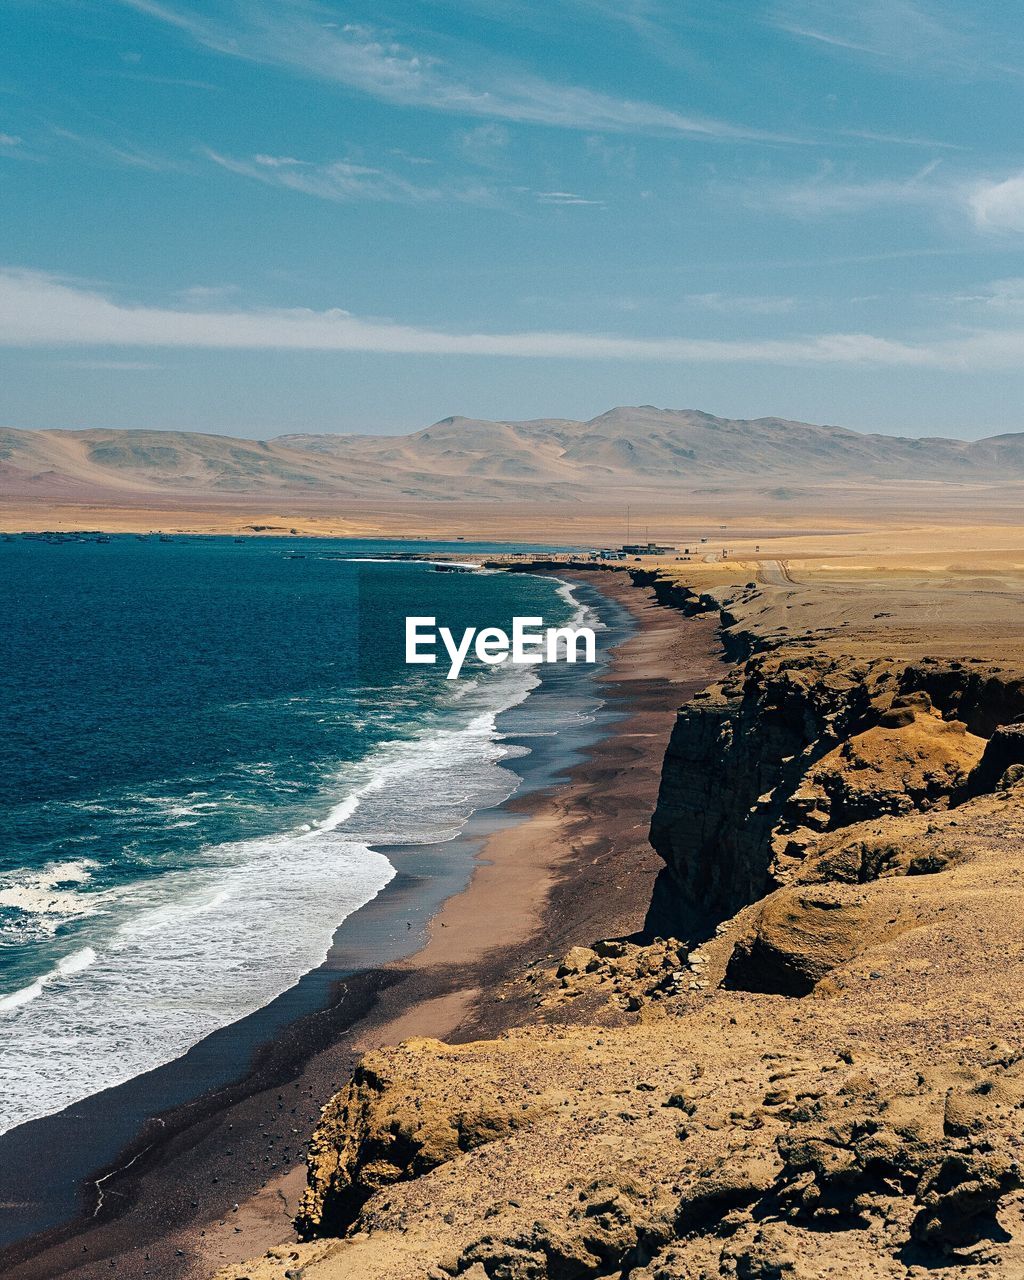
(266, 217)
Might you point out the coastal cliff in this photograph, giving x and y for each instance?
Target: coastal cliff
(822, 1074)
(793, 747)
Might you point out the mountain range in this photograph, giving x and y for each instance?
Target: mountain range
(641, 450)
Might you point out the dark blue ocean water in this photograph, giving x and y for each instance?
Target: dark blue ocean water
(204, 745)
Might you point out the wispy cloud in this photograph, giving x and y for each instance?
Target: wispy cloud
(485, 144)
(994, 205)
(9, 140)
(663, 28)
(293, 35)
(343, 182)
(826, 193)
(899, 140)
(122, 153)
(563, 198)
(173, 82)
(935, 37)
(994, 301)
(739, 304)
(37, 309)
(899, 31)
(998, 205)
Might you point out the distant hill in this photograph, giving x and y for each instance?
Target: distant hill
(626, 450)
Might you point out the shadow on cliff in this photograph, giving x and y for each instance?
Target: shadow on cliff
(670, 916)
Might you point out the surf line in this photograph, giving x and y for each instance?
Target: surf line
(493, 645)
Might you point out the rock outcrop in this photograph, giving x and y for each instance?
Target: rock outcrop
(384, 1127)
(821, 1076)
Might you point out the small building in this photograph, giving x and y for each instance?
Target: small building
(646, 549)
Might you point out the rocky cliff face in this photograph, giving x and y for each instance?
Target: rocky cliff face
(824, 1076)
(795, 745)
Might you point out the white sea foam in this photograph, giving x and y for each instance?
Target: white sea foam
(583, 612)
(182, 954)
(450, 772)
(454, 564)
(23, 996)
(66, 968)
(76, 962)
(42, 900)
(200, 949)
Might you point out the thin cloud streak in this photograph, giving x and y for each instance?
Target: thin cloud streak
(899, 140)
(42, 310)
(565, 198)
(363, 60)
(901, 31)
(931, 37)
(172, 82)
(130, 155)
(344, 182)
(824, 194)
(995, 206)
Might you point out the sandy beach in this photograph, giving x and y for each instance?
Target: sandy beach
(578, 866)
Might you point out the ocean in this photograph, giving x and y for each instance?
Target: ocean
(212, 753)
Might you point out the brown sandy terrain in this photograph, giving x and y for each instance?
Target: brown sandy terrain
(578, 865)
(681, 473)
(822, 1073)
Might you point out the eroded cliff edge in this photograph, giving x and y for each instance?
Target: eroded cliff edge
(823, 1074)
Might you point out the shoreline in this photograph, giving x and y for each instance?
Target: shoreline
(532, 875)
(50, 1163)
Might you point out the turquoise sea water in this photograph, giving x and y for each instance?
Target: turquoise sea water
(204, 748)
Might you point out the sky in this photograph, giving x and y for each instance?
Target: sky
(255, 218)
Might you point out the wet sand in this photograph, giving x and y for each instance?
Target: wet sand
(225, 1185)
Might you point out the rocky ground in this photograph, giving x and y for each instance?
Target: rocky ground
(821, 1073)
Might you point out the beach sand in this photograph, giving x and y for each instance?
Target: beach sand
(578, 867)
